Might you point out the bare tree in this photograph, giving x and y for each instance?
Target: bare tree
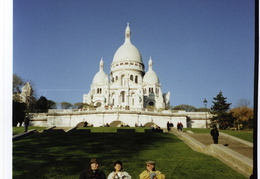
(243, 103)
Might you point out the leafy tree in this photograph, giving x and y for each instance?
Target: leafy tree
(220, 112)
(244, 116)
(185, 107)
(19, 108)
(18, 82)
(203, 110)
(78, 105)
(43, 104)
(65, 105)
(19, 112)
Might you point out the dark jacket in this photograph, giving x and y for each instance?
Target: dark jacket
(26, 121)
(214, 133)
(92, 174)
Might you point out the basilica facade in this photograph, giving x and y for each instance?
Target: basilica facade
(127, 96)
(127, 85)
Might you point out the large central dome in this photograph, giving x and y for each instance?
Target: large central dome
(127, 51)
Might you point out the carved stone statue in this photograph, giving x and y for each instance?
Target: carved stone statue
(26, 92)
(167, 98)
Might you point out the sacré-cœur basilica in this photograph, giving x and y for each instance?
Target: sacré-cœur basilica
(128, 85)
(128, 96)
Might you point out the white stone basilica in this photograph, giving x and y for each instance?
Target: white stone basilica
(128, 96)
(128, 85)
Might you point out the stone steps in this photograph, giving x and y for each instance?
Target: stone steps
(234, 154)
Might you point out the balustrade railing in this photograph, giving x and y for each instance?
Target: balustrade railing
(108, 108)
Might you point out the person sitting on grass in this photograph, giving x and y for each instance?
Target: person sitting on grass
(118, 172)
(151, 172)
(93, 172)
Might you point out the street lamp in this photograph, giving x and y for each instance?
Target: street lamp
(205, 103)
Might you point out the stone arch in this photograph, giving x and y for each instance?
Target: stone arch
(150, 124)
(116, 124)
(150, 103)
(84, 124)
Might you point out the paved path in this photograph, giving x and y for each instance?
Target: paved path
(241, 148)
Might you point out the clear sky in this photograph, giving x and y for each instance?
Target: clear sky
(198, 47)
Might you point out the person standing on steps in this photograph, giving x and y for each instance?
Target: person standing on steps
(214, 133)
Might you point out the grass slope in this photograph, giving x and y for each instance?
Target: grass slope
(243, 134)
(66, 155)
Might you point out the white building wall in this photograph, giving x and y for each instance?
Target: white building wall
(100, 117)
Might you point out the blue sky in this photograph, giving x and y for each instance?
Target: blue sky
(198, 47)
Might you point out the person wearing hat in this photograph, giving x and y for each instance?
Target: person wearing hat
(93, 172)
(118, 172)
(151, 172)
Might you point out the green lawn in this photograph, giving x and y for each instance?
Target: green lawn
(18, 130)
(65, 155)
(246, 135)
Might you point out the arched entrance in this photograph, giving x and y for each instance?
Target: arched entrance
(117, 124)
(150, 124)
(84, 124)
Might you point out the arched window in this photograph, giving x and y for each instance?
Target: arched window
(113, 99)
(133, 101)
(123, 96)
(131, 77)
(99, 90)
(116, 77)
(136, 79)
(123, 80)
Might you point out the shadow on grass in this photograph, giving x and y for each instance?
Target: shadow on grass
(65, 155)
(60, 155)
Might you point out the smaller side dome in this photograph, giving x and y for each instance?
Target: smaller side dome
(150, 76)
(101, 77)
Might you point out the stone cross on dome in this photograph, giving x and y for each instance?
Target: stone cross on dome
(101, 64)
(150, 63)
(127, 33)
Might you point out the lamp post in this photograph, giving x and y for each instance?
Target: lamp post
(205, 103)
